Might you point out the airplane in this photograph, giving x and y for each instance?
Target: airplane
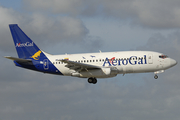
(88, 65)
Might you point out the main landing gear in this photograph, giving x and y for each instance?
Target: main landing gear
(92, 80)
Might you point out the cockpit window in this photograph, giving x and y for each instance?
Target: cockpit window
(163, 56)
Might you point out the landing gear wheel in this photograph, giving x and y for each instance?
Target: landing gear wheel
(92, 80)
(156, 77)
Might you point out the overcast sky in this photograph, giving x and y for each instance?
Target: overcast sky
(80, 26)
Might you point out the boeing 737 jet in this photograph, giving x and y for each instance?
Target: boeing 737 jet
(89, 65)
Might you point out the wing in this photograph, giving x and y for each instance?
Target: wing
(79, 66)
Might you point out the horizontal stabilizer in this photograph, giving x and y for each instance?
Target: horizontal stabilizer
(18, 59)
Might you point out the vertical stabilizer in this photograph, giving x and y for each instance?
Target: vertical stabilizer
(25, 47)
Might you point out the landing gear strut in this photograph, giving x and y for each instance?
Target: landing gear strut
(92, 80)
(155, 73)
(155, 76)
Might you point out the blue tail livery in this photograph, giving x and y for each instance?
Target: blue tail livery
(30, 56)
(89, 65)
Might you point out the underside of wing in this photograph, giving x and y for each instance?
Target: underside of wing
(87, 70)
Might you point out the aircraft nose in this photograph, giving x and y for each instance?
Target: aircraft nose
(173, 62)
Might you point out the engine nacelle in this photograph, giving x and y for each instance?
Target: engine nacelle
(106, 71)
(76, 74)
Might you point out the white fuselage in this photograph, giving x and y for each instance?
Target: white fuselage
(122, 62)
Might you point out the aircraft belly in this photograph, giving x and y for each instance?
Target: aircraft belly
(145, 68)
(129, 70)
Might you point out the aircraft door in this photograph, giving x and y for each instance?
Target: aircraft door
(45, 64)
(150, 59)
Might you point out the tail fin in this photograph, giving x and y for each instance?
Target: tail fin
(25, 47)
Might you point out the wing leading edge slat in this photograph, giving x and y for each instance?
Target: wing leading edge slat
(79, 66)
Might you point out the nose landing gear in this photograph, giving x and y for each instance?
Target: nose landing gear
(155, 76)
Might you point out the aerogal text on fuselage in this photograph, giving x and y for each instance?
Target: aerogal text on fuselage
(133, 60)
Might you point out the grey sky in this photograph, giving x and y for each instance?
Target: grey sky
(78, 26)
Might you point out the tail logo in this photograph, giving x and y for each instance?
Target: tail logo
(36, 55)
(110, 60)
(27, 44)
